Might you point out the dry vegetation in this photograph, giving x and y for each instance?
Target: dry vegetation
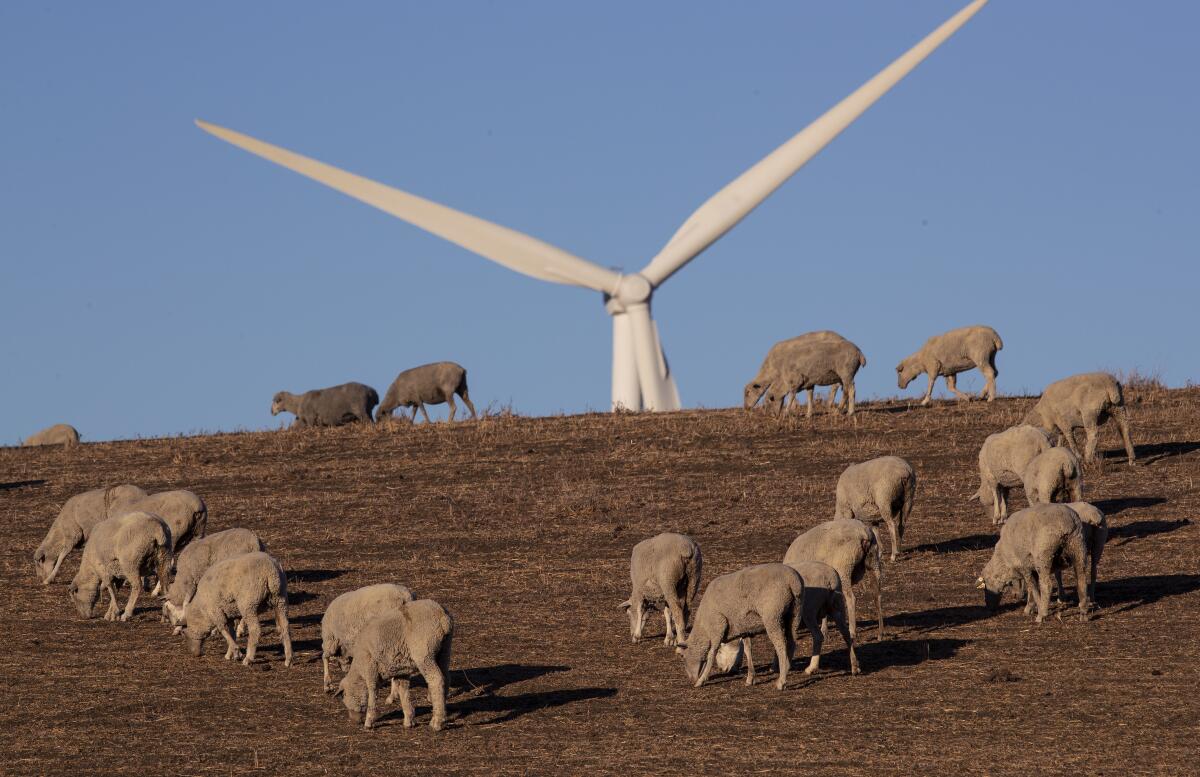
(522, 528)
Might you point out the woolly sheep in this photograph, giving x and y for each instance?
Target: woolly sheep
(811, 365)
(1003, 459)
(884, 486)
(776, 356)
(59, 434)
(1094, 525)
(346, 616)
(664, 572)
(764, 598)
(184, 512)
(948, 354)
(239, 587)
(395, 646)
(852, 548)
(121, 548)
(196, 559)
(331, 406)
(430, 384)
(1053, 476)
(1082, 401)
(74, 523)
(1033, 543)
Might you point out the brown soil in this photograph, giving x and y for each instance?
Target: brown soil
(522, 528)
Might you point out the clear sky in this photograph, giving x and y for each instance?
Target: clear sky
(1039, 173)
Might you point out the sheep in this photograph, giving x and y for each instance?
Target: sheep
(120, 549)
(809, 365)
(1033, 543)
(428, 384)
(195, 560)
(948, 354)
(238, 587)
(1053, 476)
(1094, 525)
(885, 486)
(59, 434)
(331, 406)
(1003, 459)
(852, 548)
(184, 512)
(74, 523)
(346, 616)
(664, 572)
(1082, 401)
(394, 646)
(764, 598)
(778, 354)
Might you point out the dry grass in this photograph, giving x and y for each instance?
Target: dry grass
(522, 528)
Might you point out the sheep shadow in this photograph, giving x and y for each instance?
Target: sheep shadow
(1117, 506)
(875, 656)
(1129, 593)
(925, 621)
(1147, 528)
(958, 544)
(305, 620)
(487, 680)
(296, 598)
(506, 708)
(21, 484)
(1148, 454)
(314, 575)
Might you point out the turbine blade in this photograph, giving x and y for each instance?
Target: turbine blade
(514, 250)
(730, 205)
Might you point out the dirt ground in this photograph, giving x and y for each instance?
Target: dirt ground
(522, 528)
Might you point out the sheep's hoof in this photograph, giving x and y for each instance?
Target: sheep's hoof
(369, 722)
(409, 723)
(779, 684)
(854, 670)
(437, 724)
(810, 670)
(124, 617)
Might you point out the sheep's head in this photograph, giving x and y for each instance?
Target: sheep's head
(354, 696)
(773, 398)
(84, 593)
(1033, 418)
(42, 562)
(753, 392)
(172, 613)
(638, 614)
(277, 402)
(695, 655)
(729, 656)
(196, 633)
(995, 579)
(382, 412)
(906, 371)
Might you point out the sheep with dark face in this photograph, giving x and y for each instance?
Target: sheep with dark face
(429, 384)
(852, 548)
(1082, 402)
(1053, 476)
(664, 572)
(777, 356)
(59, 434)
(123, 548)
(346, 617)
(74, 523)
(238, 587)
(948, 354)
(1034, 543)
(1003, 459)
(331, 406)
(809, 365)
(885, 487)
(196, 559)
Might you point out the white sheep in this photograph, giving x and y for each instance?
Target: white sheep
(74, 523)
(121, 548)
(1003, 459)
(852, 548)
(59, 434)
(764, 598)
(884, 486)
(196, 559)
(346, 616)
(184, 512)
(1053, 476)
(1094, 525)
(664, 572)
(1082, 402)
(948, 354)
(333, 406)
(1034, 543)
(395, 646)
(429, 384)
(810, 365)
(776, 356)
(239, 587)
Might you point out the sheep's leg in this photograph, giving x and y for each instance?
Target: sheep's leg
(111, 613)
(749, 660)
(285, 633)
(891, 524)
(1043, 591)
(327, 677)
(424, 413)
(467, 400)
(134, 591)
(929, 389)
(784, 643)
(369, 721)
(231, 649)
(989, 375)
(833, 393)
(818, 639)
(401, 690)
(708, 664)
(878, 601)
(951, 383)
(414, 414)
(1122, 418)
(1081, 580)
(673, 611)
(254, 629)
(57, 563)
(850, 392)
(453, 409)
(1093, 436)
(436, 682)
(839, 619)
(811, 392)
(851, 607)
(668, 627)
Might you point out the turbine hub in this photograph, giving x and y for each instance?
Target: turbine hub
(633, 289)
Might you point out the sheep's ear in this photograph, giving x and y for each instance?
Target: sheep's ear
(625, 605)
(979, 583)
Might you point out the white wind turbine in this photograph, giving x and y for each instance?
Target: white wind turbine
(640, 376)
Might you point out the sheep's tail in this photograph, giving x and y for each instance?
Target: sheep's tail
(277, 586)
(108, 499)
(996, 341)
(162, 557)
(862, 360)
(695, 568)
(200, 521)
(1115, 394)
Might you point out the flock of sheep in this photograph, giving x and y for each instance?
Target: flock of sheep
(222, 582)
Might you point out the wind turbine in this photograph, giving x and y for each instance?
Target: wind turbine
(641, 378)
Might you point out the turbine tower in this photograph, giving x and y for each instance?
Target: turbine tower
(641, 378)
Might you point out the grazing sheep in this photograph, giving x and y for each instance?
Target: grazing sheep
(238, 587)
(884, 486)
(59, 434)
(184, 512)
(810, 365)
(764, 598)
(1094, 525)
(430, 384)
(1082, 401)
(852, 548)
(1053, 476)
(331, 406)
(664, 572)
(777, 355)
(1034, 543)
(195, 560)
(948, 354)
(121, 548)
(346, 616)
(74, 523)
(395, 646)
(1003, 459)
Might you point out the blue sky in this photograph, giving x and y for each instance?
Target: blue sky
(1038, 173)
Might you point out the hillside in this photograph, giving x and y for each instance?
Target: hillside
(522, 528)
